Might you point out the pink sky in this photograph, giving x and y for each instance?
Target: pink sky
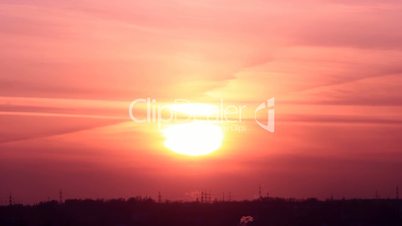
(69, 70)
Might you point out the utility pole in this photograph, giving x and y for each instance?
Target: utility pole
(259, 192)
(397, 193)
(61, 196)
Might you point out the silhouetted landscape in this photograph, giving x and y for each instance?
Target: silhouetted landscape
(145, 211)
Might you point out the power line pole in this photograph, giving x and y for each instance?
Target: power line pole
(61, 196)
(259, 192)
(397, 193)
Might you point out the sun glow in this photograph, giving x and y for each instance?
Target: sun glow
(194, 138)
(196, 109)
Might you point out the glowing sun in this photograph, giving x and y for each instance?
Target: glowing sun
(194, 138)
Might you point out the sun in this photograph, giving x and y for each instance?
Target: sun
(195, 138)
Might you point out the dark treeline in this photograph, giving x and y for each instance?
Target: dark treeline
(266, 212)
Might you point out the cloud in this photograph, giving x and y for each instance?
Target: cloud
(32, 118)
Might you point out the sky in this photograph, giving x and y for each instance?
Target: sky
(70, 69)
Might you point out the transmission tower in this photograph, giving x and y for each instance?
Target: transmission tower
(10, 200)
(159, 197)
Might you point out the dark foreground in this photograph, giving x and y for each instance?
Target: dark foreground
(275, 212)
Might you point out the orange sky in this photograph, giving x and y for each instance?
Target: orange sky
(69, 70)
